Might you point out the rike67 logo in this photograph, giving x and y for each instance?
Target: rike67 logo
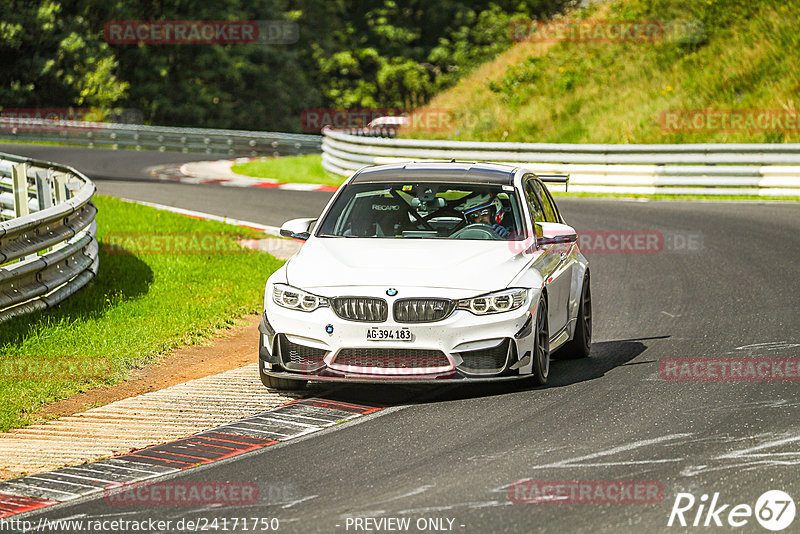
(774, 510)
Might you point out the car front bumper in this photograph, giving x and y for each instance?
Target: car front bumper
(320, 346)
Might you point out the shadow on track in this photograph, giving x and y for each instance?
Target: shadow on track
(605, 356)
(122, 276)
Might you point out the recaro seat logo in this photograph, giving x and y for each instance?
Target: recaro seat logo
(774, 510)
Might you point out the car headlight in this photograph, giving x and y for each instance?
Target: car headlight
(498, 302)
(296, 299)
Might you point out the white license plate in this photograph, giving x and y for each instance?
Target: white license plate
(389, 334)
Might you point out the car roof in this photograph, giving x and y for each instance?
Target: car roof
(437, 171)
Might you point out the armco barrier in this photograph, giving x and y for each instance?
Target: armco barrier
(48, 249)
(728, 169)
(162, 138)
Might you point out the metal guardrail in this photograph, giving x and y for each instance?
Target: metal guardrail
(728, 169)
(48, 249)
(162, 138)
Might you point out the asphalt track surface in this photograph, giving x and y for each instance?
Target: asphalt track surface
(451, 451)
(124, 174)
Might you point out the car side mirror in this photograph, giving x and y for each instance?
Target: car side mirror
(297, 228)
(554, 234)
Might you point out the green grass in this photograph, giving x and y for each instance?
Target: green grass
(294, 169)
(140, 306)
(715, 55)
(21, 142)
(67, 143)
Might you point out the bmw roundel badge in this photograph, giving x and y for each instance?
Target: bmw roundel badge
(329, 329)
(391, 292)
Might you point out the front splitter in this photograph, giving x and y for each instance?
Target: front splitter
(395, 379)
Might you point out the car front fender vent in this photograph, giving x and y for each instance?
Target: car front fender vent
(485, 361)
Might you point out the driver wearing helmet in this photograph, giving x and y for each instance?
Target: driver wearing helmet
(486, 209)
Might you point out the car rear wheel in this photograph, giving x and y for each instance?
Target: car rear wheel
(281, 384)
(581, 343)
(541, 345)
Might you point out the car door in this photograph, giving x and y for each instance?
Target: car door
(554, 264)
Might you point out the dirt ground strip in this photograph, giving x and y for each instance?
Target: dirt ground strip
(192, 389)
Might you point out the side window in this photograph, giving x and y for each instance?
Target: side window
(534, 202)
(553, 205)
(549, 211)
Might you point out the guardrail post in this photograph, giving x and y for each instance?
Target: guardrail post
(44, 189)
(44, 194)
(61, 188)
(19, 179)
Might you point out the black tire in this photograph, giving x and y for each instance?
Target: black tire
(581, 343)
(541, 345)
(281, 384)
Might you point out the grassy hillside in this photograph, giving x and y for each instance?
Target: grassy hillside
(715, 55)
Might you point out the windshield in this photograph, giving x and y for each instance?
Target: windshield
(425, 210)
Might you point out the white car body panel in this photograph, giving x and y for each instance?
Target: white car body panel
(483, 267)
(425, 268)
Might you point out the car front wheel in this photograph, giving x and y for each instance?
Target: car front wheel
(541, 345)
(581, 343)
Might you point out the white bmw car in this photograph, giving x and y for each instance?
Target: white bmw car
(428, 272)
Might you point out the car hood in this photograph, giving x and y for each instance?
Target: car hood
(457, 264)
